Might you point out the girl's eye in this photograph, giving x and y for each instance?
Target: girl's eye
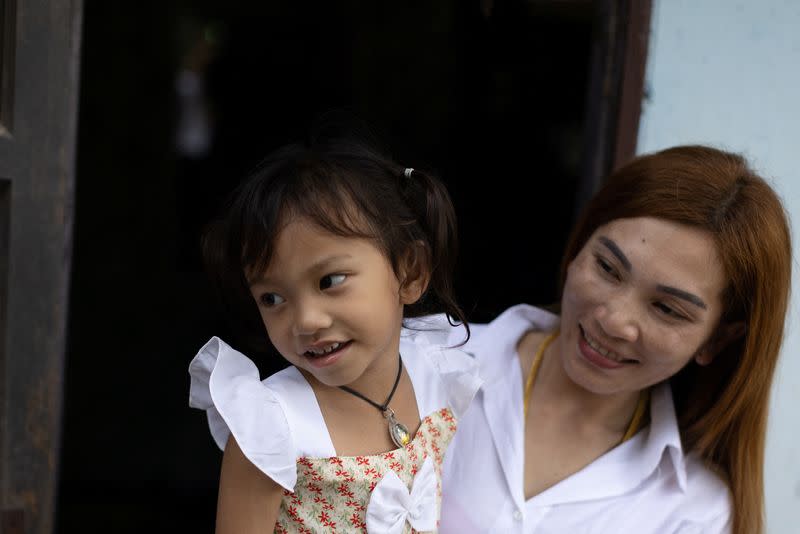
(331, 280)
(271, 299)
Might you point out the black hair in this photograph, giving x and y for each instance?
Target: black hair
(347, 186)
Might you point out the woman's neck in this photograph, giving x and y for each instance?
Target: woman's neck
(555, 389)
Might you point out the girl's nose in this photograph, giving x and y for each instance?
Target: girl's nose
(618, 319)
(309, 318)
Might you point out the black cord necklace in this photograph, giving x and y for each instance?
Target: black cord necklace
(397, 430)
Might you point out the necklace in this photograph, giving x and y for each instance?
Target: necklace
(637, 421)
(397, 430)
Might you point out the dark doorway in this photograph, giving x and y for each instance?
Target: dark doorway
(490, 94)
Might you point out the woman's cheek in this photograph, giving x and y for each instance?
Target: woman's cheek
(587, 285)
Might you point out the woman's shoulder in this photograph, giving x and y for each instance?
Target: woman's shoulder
(708, 498)
(513, 323)
(497, 344)
(226, 384)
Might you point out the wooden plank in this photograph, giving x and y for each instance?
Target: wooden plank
(633, 80)
(38, 161)
(5, 211)
(8, 14)
(12, 522)
(616, 87)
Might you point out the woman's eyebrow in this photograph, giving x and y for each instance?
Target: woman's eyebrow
(680, 293)
(685, 295)
(616, 251)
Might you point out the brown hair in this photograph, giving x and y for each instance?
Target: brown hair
(347, 186)
(721, 408)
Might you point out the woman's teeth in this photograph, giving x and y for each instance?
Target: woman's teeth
(323, 350)
(604, 351)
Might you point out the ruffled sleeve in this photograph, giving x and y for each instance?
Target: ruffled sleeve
(226, 384)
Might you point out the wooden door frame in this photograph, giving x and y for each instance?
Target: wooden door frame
(616, 90)
(39, 47)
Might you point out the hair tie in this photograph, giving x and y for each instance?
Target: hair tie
(408, 172)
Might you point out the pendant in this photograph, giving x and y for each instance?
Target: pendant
(397, 430)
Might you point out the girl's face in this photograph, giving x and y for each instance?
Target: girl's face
(642, 298)
(332, 305)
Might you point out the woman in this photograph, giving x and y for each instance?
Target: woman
(643, 406)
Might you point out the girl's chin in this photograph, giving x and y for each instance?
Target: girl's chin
(335, 378)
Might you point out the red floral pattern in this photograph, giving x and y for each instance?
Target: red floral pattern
(332, 494)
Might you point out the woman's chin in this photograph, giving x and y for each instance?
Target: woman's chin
(589, 381)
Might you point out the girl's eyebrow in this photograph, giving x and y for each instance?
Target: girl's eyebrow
(323, 262)
(616, 251)
(318, 265)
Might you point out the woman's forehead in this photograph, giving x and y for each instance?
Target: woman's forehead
(664, 250)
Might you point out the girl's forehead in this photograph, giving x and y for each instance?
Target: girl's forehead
(303, 244)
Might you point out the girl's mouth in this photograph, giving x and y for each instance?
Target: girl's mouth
(328, 354)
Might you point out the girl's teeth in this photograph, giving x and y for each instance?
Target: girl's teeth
(325, 350)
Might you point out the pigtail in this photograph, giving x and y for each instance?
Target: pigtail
(341, 179)
(428, 199)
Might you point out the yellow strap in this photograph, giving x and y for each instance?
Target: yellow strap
(639, 414)
(537, 361)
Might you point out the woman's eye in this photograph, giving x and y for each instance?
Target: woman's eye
(271, 299)
(331, 280)
(606, 267)
(666, 310)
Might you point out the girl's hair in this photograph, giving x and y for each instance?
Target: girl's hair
(721, 408)
(344, 184)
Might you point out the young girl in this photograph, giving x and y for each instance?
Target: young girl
(325, 249)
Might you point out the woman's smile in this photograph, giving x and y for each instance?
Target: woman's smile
(636, 307)
(599, 355)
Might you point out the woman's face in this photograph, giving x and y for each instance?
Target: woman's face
(642, 298)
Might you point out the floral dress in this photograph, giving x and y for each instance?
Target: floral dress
(279, 427)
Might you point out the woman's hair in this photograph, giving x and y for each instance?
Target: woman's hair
(721, 408)
(344, 184)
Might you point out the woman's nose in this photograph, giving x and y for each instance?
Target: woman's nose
(309, 318)
(618, 318)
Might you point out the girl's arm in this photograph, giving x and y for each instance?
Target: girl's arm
(248, 499)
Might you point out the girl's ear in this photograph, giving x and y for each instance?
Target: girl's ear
(726, 334)
(415, 273)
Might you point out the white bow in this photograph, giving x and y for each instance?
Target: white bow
(391, 504)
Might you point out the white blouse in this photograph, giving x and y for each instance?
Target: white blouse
(645, 485)
(278, 423)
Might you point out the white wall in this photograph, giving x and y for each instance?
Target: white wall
(727, 73)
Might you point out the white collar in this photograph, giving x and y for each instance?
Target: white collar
(500, 337)
(616, 472)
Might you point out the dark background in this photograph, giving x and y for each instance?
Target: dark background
(490, 94)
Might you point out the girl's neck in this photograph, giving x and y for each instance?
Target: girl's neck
(375, 382)
(611, 412)
(358, 428)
